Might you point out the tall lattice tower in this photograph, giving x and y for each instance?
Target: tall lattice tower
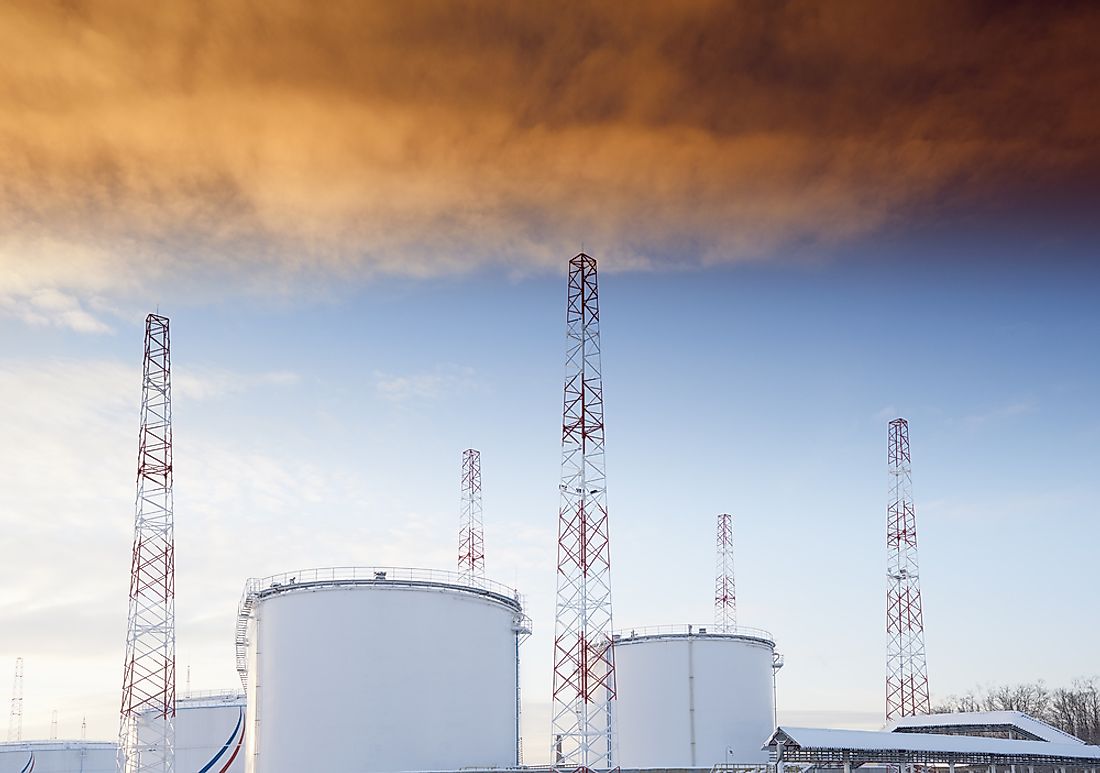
(471, 531)
(15, 718)
(906, 667)
(149, 673)
(582, 735)
(725, 591)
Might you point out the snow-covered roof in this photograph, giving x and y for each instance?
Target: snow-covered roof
(925, 744)
(1017, 720)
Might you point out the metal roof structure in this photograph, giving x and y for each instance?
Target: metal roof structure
(1015, 723)
(827, 747)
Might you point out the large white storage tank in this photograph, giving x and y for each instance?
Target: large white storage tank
(379, 670)
(58, 757)
(692, 698)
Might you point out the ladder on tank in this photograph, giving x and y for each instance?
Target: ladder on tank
(244, 612)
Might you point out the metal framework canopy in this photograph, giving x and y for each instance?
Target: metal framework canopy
(824, 748)
(998, 724)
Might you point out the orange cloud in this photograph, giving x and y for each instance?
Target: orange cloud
(285, 138)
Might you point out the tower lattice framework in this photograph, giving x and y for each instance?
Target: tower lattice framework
(149, 672)
(582, 736)
(471, 529)
(15, 718)
(725, 590)
(906, 666)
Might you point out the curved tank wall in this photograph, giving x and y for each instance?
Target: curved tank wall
(685, 696)
(210, 733)
(58, 757)
(379, 671)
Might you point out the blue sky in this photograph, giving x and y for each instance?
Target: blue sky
(327, 430)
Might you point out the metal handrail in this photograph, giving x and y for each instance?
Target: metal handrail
(704, 629)
(379, 573)
(196, 695)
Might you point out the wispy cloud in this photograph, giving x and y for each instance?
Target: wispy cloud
(1001, 412)
(885, 414)
(432, 385)
(205, 383)
(50, 307)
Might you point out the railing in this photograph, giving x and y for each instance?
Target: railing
(336, 574)
(209, 694)
(686, 629)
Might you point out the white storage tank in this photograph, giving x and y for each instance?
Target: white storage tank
(210, 732)
(58, 757)
(689, 697)
(379, 670)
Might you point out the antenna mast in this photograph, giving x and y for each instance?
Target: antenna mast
(906, 667)
(471, 531)
(149, 672)
(584, 659)
(15, 719)
(725, 591)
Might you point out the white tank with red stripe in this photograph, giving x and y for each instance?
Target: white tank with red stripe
(210, 732)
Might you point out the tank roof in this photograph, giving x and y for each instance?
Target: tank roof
(741, 632)
(379, 576)
(56, 745)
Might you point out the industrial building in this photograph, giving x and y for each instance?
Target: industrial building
(818, 748)
(992, 724)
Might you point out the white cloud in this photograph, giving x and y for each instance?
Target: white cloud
(431, 385)
(50, 307)
(206, 383)
(996, 413)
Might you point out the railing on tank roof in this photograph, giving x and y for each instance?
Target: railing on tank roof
(378, 574)
(689, 628)
(367, 574)
(228, 695)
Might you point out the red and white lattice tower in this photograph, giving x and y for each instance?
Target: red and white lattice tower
(471, 531)
(15, 718)
(725, 591)
(149, 673)
(584, 661)
(906, 668)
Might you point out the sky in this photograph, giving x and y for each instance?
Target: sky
(810, 218)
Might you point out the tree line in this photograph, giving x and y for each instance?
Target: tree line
(1074, 710)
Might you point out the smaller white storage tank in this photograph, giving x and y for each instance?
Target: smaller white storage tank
(58, 757)
(377, 670)
(688, 697)
(210, 732)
